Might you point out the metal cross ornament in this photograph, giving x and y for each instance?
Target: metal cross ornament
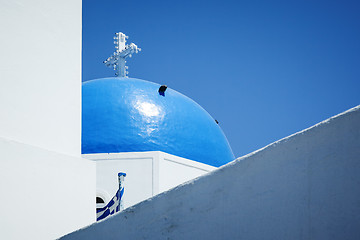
(122, 51)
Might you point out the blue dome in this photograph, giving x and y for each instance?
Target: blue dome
(129, 115)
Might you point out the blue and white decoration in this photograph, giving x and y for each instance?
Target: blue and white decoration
(115, 204)
(122, 114)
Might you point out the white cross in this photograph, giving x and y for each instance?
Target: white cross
(122, 51)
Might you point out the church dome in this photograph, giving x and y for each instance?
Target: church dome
(131, 115)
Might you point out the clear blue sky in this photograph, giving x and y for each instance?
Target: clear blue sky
(263, 69)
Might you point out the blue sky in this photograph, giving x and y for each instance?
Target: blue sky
(263, 69)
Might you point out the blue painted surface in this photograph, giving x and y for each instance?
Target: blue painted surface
(129, 115)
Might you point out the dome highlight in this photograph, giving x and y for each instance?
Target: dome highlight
(132, 115)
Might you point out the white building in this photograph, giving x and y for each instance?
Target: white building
(148, 174)
(48, 188)
(301, 187)
(44, 181)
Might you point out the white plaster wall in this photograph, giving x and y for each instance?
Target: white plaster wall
(174, 170)
(44, 194)
(40, 73)
(138, 182)
(305, 186)
(148, 173)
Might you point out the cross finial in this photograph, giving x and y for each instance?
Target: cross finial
(122, 51)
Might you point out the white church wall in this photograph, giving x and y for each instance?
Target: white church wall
(305, 186)
(40, 93)
(44, 194)
(148, 173)
(174, 170)
(138, 181)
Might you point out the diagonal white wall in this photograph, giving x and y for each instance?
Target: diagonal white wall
(40, 73)
(305, 186)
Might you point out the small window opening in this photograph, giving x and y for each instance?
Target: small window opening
(99, 200)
